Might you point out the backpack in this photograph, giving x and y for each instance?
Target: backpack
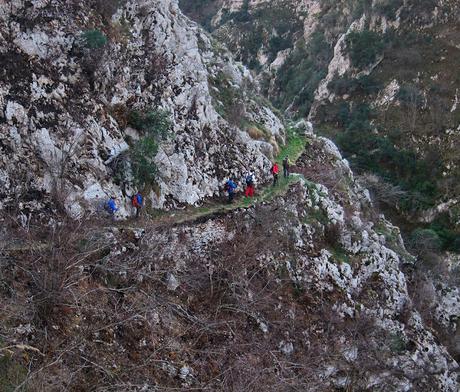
(249, 179)
(110, 206)
(139, 199)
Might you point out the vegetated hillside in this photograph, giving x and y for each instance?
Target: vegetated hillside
(106, 97)
(303, 292)
(378, 77)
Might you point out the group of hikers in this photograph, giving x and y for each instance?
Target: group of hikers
(231, 186)
(137, 200)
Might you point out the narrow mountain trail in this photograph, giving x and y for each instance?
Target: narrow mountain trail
(155, 219)
(294, 148)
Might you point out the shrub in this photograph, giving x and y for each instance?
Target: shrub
(302, 72)
(90, 49)
(153, 123)
(277, 44)
(368, 84)
(256, 133)
(423, 240)
(443, 227)
(154, 126)
(143, 167)
(93, 39)
(346, 85)
(397, 343)
(371, 152)
(364, 47)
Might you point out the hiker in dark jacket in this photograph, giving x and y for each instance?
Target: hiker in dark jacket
(286, 166)
(230, 187)
(138, 202)
(250, 184)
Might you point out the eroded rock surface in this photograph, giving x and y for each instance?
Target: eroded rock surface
(64, 107)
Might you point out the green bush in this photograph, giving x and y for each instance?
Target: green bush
(363, 85)
(93, 39)
(143, 167)
(364, 47)
(152, 123)
(278, 43)
(443, 227)
(154, 126)
(425, 240)
(371, 152)
(396, 343)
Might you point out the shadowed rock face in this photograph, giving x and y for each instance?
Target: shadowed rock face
(64, 106)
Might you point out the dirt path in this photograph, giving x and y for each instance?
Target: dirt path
(294, 148)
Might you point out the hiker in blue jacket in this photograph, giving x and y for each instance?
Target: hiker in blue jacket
(230, 187)
(111, 206)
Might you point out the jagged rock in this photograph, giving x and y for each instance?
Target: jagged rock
(287, 348)
(304, 126)
(171, 282)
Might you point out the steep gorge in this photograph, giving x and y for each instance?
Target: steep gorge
(381, 72)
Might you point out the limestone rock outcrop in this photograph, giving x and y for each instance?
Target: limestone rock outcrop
(64, 108)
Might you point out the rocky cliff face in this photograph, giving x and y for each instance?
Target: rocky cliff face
(66, 99)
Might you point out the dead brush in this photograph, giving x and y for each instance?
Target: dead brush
(50, 259)
(50, 291)
(331, 177)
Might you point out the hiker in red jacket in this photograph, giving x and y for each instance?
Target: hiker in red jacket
(137, 201)
(275, 170)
